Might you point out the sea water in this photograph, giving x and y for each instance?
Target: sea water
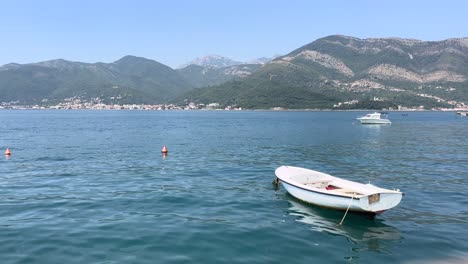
(93, 187)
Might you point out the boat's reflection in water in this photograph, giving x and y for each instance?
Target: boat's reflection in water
(373, 128)
(364, 232)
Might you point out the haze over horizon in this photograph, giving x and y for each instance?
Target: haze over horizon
(177, 32)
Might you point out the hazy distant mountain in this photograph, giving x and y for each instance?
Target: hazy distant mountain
(128, 80)
(199, 76)
(214, 61)
(340, 69)
(214, 70)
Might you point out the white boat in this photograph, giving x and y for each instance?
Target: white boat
(462, 113)
(328, 191)
(374, 118)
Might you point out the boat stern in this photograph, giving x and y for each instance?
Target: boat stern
(379, 202)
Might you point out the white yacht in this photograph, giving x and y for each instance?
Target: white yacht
(374, 118)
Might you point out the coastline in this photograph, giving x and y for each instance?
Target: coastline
(231, 110)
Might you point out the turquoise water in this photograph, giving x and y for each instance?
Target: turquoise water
(93, 187)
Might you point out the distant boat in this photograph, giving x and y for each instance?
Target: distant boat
(328, 191)
(374, 118)
(462, 113)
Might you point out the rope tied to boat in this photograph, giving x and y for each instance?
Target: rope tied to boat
(350, 202)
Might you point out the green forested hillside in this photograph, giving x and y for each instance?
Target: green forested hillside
(128, 80)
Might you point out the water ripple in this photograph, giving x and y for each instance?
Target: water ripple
(93, 187)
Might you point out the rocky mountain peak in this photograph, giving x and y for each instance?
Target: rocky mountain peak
(215, 61)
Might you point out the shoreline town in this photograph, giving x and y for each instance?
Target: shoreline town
(76, 103)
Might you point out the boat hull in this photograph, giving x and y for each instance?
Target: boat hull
(374, 121)
(386, 202)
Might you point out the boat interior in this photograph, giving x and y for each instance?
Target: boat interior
(332, 187)
(327, 184)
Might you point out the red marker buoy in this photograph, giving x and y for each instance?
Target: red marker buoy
(164, 150)
(7, 152)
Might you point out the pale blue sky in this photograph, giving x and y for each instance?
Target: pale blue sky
(174, 32)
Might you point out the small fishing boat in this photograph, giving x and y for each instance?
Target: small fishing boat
(462, 113)
(374, 118)
(328, 191)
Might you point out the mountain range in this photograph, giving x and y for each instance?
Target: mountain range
(128, 80)
(334, 72)
(344, 72)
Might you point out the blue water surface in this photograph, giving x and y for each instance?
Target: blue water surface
(93, 187)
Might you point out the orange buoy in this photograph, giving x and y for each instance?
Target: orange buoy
(164, 150)
(7, 152)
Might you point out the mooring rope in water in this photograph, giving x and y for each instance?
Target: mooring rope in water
(352, 197)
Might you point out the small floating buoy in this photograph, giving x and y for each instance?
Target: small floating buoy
(164, 150)
(276, 183)
(7, 152)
